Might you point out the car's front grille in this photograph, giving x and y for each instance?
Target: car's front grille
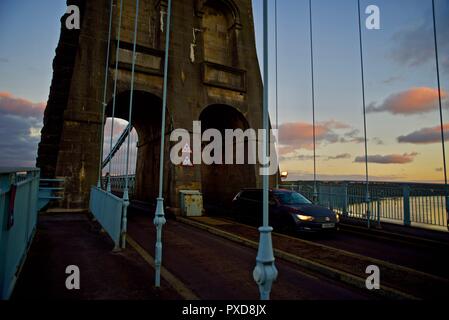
(325, 219)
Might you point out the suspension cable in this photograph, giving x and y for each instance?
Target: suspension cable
(117, 56)
(443, 142)
(364, 114)
(315, 191)
(276, 71)
(106, 73)
(164, 102)
(130, 110)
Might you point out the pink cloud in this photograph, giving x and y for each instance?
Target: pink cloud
(15, 106)
(413, 101)
(389, 159)
(299, 135)
(119, 126)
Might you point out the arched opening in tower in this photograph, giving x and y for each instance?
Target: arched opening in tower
(146, 123)
(221, 182)
(119, 162)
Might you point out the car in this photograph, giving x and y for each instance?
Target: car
(289, 211)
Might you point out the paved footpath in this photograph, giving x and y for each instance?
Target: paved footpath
(63, 240)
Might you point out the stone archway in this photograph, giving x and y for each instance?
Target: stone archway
(146, 119)
(221, 182)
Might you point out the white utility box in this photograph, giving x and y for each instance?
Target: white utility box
(191, 203)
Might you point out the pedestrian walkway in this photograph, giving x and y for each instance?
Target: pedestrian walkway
(73, 239)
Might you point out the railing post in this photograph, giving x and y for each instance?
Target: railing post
(446, 198)
(406, 205)
(368, 209)
(315, 193)
(345, 200)
(124, 218)
(379, 208)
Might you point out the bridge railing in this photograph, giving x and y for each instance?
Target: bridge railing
(18, 217)
(118, 184)
(110, 211)
(50, 190)
(408, 204)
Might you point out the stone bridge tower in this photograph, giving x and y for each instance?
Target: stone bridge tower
(214, 77)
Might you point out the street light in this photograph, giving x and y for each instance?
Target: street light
(159, 217)
(284, 175)
(265, 272)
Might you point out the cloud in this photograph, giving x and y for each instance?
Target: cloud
(392, 79)
(378, 141)
(389, 159)
(20, 107)
(294, 155)
(352, 136)
(339, 157)
(4, 60)
(119, 126)
(302, 175)
(414, 46)
(425, 135)
(303, 157)
(20, 125)
(413, 101)
(299, 135)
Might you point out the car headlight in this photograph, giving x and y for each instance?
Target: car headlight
(305, 218)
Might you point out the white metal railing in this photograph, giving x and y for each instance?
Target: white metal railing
(419, 205)
(18, 217)
(111, 213)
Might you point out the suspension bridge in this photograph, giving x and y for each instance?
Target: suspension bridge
(136, 74)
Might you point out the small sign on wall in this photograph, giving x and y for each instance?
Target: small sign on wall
(186, 152)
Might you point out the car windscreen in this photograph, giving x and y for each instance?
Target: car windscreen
(291, 198)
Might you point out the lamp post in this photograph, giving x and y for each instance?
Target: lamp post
(159, 219)
(265, 272)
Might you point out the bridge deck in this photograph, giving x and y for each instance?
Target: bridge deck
(211, 266)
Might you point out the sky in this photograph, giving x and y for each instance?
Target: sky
(404, 141)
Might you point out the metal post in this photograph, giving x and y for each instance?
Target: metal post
(265, 272)
(379, 208)
(345, 200)
(406, 205)
(130, 112)
(368, 209)
(117, 58)
(367, 195)
(312, 69)
(437, 60)
(276, 73)
(106, 72)
(159, 219)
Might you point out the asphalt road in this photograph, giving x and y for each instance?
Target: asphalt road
(423, 258)
(219, 269)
